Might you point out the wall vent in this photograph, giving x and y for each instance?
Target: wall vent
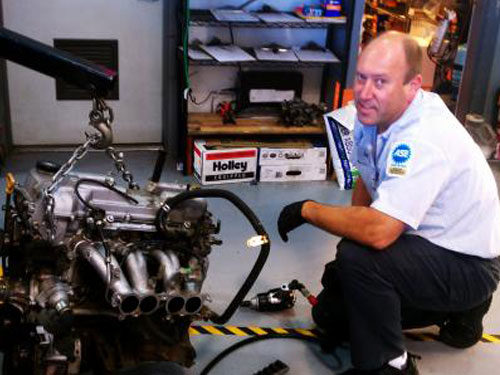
(102, 52)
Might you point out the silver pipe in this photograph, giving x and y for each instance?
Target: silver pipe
(123, 295)
(54, 293)
(175, 304)
(169, 267)
(149, 303)
(193, 304)
(137, 272)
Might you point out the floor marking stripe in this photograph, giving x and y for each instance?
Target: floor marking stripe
(225, 330)
(236, 331)
(305, 332)
(194, 331)
(261, 331)
(281, 331)
(248, 331)
(491, 338)
(213, 330)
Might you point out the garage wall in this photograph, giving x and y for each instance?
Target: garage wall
(38, 119)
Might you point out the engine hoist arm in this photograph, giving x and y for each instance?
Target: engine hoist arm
(56, 63)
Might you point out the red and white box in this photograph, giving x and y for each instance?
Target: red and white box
(213, 166)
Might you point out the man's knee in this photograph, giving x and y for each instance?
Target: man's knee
(354, 256)
(330, 315)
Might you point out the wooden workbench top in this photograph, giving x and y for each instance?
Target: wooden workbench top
(211, 124)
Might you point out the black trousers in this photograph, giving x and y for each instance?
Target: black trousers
(370, 296)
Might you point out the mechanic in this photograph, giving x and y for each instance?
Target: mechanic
(421, 241)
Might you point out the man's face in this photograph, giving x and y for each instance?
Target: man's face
(380, 93)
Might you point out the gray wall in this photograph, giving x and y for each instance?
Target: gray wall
(38, 119)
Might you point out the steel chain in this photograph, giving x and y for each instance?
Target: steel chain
(117, 158)
(78, 154)
(100, 113)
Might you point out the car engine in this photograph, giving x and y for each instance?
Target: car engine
(102, 275)
(97, 276)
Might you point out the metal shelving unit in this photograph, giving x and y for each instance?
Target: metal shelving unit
(203, 17)
(342, 38)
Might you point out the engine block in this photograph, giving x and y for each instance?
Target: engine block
(92, 267)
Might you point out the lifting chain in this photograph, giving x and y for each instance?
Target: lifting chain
(117, 158)
(48, 193)
(101, 117)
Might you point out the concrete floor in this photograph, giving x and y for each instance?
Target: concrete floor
(302, 258)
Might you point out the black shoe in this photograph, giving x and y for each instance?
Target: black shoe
(410, 369)
(464, 329)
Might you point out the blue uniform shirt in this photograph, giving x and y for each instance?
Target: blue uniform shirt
(426, 171)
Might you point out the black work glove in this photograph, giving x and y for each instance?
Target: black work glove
(290, 218)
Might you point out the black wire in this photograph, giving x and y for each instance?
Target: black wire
(97, 182)
(203, 101)
(251, 340)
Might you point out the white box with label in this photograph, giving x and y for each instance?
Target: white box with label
(224, 166)
(292, 156)
(304, 172)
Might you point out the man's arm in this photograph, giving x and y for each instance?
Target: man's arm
(365, 225)
(360, 195)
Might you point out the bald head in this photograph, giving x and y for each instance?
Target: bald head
(387, 79)
(394, 41)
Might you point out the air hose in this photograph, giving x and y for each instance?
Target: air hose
(170, 203)
(251, 340)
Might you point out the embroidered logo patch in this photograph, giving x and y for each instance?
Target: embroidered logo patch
(399, 159)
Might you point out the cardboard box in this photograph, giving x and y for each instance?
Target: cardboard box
(292, 156)
(304, 172)
(213, 166)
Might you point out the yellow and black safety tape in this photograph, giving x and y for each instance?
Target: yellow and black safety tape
(261, 331)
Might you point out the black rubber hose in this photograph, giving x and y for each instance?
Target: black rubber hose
(160, 162)
(253, 339)
(103, 184)
(170, 203)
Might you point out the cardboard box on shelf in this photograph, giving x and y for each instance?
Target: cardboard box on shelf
(292, 156)
(215, 166)
(304, 172)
